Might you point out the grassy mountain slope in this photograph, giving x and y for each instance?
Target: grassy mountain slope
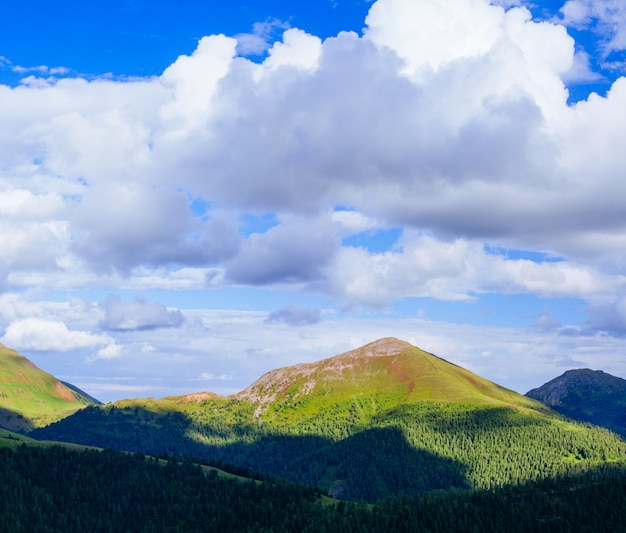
(374, 378)
(588, 395)
(30, 397)
(385, 419)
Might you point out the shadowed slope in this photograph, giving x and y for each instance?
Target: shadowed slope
(589, 395)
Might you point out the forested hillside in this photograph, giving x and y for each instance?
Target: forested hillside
(52, 490)
(589, 395)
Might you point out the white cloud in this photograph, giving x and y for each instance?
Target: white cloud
(457, 270)
(295, 316)
(127, 225)
(294, 252)
(212, 377)
(194, 80)
(420, 31)
(138, 314)
(43, 335)
(297, 49)
(581, 71)
(353, 222)
(608, 317)
(259, 40)
(607, 17)
(22, 203)
(336, 124)
(110, 351)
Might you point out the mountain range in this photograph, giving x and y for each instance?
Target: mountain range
(430, 445)
(385, 419)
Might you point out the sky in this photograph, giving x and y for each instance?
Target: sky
(195, 193)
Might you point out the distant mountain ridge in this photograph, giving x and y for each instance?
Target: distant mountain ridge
(587, 395)
(30, 397)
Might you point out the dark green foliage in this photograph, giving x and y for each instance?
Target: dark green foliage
(57, 490)
(587, 395)
(408, 451)
(589, 501)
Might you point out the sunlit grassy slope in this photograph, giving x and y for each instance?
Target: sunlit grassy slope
(347, 390)
(377, 377)
(30, 397)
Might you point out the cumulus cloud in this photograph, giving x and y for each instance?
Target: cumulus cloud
(581, 70)
(608, 318)
(451, 120)
(297, 49)
(353, 222)
(123, 226)
(194, 81)
(43, 335)
(137, 315)
(424, 266)
(607, 17)
(258, 41)
(294, 252)
(295, 316)
(110, 351)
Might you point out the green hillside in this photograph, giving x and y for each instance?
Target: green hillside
(30, 397)
(386, 419)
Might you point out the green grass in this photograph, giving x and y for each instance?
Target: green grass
(357, 386)
(30, 397)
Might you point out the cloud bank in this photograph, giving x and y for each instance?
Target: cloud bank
(450, 120)
(446, 122)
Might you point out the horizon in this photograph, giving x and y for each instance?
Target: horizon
(193, 196)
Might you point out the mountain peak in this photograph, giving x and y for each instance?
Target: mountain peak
(590, 395)
(387, 371)
(582, 383)
(309, 376)
(382, 347)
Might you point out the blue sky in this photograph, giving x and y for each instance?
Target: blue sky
(194, 193)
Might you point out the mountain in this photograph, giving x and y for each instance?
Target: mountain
(588, 395)
(381, 375)
(384, 419)
(30, 397)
